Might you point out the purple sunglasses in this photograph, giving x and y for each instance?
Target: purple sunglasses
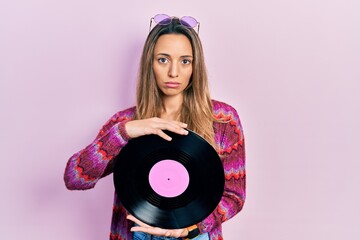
(163, 19)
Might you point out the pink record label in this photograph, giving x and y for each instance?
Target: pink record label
(168, 178)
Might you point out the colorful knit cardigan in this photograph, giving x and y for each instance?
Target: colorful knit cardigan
(87, 166)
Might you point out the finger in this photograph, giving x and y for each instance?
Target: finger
(158, 131)
(140, 229)
(168, 234)
(163, 135)
(175, 233)
(181, 124)
(171, 126)
(151, 231)
(179, 130)
(175, 123)
(137, 221)
(178, 124)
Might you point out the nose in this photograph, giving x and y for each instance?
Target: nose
(173, 70)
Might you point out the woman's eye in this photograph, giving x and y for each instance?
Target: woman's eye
(162, 60)
(186, 61)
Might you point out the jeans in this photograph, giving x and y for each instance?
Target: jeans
(145, 236)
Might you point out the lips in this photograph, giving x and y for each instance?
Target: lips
(172, 84)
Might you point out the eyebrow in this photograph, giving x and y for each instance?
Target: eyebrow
(168, 55)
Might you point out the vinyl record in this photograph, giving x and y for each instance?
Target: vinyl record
(169, 184)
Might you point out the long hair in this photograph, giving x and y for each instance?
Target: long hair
(196, 108)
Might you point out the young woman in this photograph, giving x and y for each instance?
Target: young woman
(172, 94)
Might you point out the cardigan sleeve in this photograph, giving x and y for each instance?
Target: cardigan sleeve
(232, 153)
(87, 166)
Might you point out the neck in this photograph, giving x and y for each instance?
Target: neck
(172, 107)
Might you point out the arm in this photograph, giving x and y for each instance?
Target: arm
(87, 166)
(232, 152)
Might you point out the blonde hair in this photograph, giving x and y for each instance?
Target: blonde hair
(196, 110)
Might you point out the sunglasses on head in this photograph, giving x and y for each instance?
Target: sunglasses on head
(163, 19)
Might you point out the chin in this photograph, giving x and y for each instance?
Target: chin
(171, 92)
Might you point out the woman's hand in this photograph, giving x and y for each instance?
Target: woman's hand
(155, 126)
(143, 227)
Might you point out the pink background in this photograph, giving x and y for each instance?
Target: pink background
(290, 68)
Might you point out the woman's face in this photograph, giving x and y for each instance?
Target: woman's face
(172, 63)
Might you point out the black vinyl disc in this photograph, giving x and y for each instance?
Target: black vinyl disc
(169, 184)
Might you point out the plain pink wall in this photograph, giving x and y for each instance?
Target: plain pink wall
(290, 68)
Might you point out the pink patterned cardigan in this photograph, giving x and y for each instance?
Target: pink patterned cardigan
(87, 166)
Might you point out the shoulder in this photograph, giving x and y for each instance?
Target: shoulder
(226, 116)
(121, 116)
(224, 110)
(227, 126)
(126, 114)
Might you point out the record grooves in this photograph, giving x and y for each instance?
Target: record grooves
(169, 184)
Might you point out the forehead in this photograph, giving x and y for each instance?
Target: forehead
(173, 44)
